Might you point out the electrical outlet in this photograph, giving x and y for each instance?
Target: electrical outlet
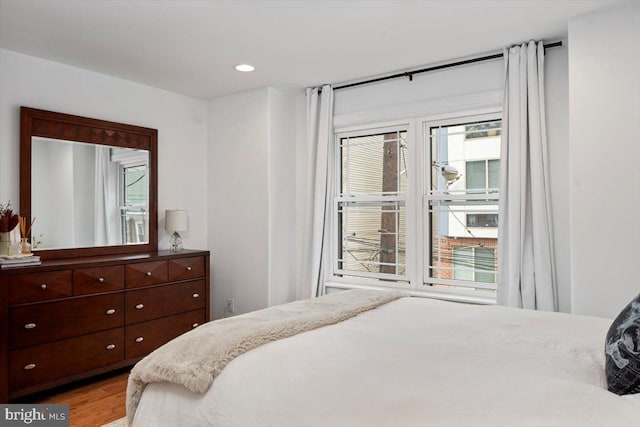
(230, 305)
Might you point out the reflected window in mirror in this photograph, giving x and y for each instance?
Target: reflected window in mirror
(134, 195)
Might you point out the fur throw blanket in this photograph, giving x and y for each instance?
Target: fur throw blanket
(195, 358)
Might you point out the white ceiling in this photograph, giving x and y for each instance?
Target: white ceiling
(190, 47)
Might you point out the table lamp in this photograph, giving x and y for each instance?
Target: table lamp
(175, 220)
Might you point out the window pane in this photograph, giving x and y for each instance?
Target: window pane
(482, 220)
(475, 173)
(494, 173)
(372, 237)
(485, 265)
(135, 186)
(463, 263)
(484, 130)
(134, 208)
(374, 163)
(455, 155)
(452, 241)
(135, 226)
(447, 145)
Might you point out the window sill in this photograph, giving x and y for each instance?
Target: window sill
(446, 296)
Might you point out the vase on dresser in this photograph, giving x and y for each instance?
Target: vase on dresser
(8, 242)
(5, 243)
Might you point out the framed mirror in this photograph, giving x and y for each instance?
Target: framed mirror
(90, 184)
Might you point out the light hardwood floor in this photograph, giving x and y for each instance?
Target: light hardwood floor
(92, 402)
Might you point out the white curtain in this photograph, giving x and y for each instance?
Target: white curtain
(526, 273)
(107, 212)
(318, 183)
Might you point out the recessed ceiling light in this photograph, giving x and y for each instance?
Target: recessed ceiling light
(245, 68)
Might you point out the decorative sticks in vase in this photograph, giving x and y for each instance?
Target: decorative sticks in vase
(25, 248)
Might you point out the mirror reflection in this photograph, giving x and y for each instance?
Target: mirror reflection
(85, 195)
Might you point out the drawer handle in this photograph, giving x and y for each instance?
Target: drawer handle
(195, 295)
(139, 339)
(189, 268)
(29, 367)
(195, 325)
(148, 273)
(110, 347)
(101, 279)
(30, 326)
(111, 311)
(139, 306)
(43, 286)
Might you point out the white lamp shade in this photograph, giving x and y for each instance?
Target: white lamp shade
(176, 220)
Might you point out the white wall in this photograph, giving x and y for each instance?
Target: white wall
(282, 202)
(180, 120)
(238, 195)
(604, 99)
(301, 174)
(251, 199)
(440, 92)
(230, 162)
(396, 96)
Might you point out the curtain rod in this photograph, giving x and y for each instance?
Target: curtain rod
(410, 74)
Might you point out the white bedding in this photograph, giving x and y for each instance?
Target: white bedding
(413, 362)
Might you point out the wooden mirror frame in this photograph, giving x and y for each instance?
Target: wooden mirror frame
(48, 124)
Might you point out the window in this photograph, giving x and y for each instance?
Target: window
(419, 210)
(482, 175)
(133, 193)
(133, 209)
(483, 130)
(462, 215)
(371, 205)
(482, 220)
(474, 264)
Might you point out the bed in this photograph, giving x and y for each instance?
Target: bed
(408, 362)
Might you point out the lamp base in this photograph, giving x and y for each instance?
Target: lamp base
(175, 243)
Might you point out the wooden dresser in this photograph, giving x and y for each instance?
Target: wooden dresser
(69, 319)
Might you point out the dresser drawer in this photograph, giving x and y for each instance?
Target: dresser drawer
(34, 287)
(160, 301)
(94, 280)
(146, 273)
(143, 338)
(186, 268)
(41, 363)
(38, 323)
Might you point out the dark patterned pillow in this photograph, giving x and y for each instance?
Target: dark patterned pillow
(622, 349)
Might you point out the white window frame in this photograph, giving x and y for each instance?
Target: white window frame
(347, 277)
(123, 209)
(454, 288)
(477, 107)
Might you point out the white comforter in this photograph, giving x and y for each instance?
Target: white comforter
(413, 362)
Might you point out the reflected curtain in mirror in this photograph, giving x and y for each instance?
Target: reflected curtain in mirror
(105, 199)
